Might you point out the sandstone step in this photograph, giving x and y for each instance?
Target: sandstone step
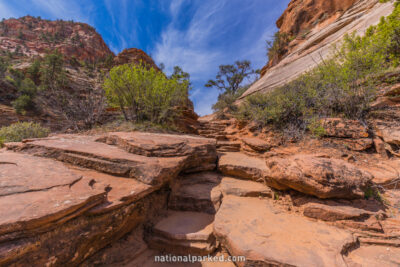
(241, 165)
(244, 188)
(335, 212)
(228, 146)
(196, 192)
(161, 159)
(158, 145)
(255, 144)
(184, 232)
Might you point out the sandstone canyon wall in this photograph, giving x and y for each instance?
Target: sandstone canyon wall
(314, 27)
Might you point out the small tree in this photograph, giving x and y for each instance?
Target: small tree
(52, 73)
(230, 77)
(27, 90)
(230, 80)
(145, 94)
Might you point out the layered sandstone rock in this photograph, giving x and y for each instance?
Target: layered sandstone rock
(321, 24)
(66, 197)
(135, 56)
(321, 177)
(35, 37)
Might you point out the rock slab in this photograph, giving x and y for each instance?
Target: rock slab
(268, 237)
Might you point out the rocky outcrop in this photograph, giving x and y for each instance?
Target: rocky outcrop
(318, 25)
(72, 195)
(135, 56)
(30, 36)
(304, 15)
(321, 177)
(120, 199)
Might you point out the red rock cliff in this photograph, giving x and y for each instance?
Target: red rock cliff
(302, 15)
(32, 36)
(134, 55)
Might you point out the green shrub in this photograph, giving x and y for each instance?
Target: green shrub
(22, 130)
(278, 46)
(3, 66)
(22, 103)
(144, 94)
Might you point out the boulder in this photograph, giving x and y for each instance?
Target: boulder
(320, 177)
(385, 172)
(334, 212)
(256, 144)
(266, 236)
(390, 135)
(343, 128)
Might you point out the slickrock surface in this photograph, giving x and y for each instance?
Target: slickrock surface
(372, 256)
(66, 197)
(86, 152)
(266, 235)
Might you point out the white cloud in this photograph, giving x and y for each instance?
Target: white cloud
(219, 32)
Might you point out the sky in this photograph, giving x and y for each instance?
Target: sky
(197, 35)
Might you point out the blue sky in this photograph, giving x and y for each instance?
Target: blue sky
(198, 35)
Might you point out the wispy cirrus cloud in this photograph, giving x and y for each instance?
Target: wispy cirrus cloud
(198, 35)
(219, 32)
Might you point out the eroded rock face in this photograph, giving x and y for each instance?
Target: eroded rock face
(253, 228)
(303, 15)
(65, 197)
(135, 56)
(320, 177)
(318, 25)
(34, 35)
(342, 128)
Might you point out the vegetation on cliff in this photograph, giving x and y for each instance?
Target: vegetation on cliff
(341, 86)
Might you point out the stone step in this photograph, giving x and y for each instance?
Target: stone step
(184, 232)
(219, 137)
(196, 192)
(228, 146)
(209, 131)
(240, 165)
(244, 188)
